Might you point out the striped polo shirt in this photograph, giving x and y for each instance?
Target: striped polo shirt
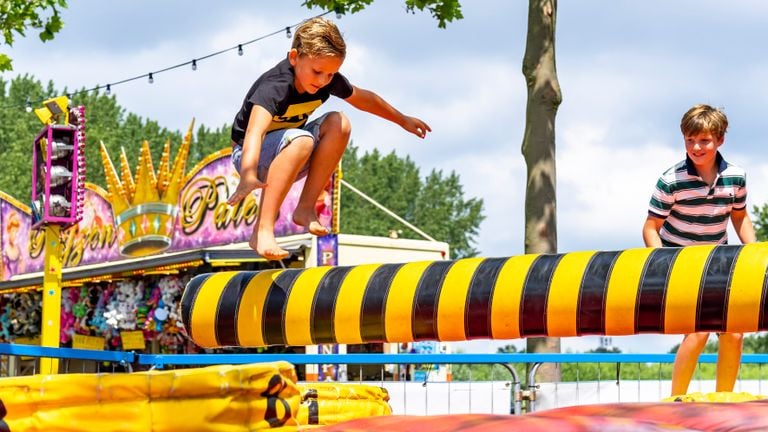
(694, 212)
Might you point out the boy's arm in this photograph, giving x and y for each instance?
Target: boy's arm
(743, 226)
(368, 101)
(258, 122)
(651, 231)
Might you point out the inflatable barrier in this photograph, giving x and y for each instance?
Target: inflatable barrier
(215, 399)
(636, 417)
(648, 290)
(331, 403)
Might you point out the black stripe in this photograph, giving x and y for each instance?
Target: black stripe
(324, 305)
(313, 411)
(590, 318)
(533, 306)
(273, 324)
(712, 307)
(228, 307)
(477, 313)
(424, 316)
(188, 300)
(372, 328)
(763, 323)
(649, 308)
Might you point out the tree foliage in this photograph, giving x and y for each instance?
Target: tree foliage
(761, 222)
(435, 204)
(107, 122)
(444, 11)
(16, 16)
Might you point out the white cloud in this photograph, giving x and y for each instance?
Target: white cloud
(604, 188)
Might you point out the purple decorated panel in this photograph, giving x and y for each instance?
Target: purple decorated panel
(15, 239)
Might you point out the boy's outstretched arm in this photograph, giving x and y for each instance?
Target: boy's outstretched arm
(651, 230)
(258, 122)
(743, 226)
(368, 101)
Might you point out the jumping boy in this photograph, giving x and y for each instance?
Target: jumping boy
(272, 143)
(691, 205)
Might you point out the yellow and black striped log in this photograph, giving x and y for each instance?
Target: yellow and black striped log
(665, 290)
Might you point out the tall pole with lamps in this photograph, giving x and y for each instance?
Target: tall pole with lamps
(58, 190)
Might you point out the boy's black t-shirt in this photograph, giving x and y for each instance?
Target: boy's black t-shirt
(275, 92)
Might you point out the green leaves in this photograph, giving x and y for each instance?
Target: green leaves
(5, 63)
(16, 16)
(339, 6)
(52, 26)
(444, 11)
(761, 222)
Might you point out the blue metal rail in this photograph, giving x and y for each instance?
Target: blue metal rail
(162, 360)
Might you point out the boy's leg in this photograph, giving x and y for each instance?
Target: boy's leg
(728, 361)
(685, 361)
(333, 139)
(282, 174)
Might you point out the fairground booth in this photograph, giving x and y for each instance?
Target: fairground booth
(129, 250)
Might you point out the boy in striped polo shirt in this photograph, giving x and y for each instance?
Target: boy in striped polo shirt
(691, 205)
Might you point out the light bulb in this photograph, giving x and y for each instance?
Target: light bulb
(151, 78)
(239, 50)
(288, 32)
(109, 90)
(194, 65)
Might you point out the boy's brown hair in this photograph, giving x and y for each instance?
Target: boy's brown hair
(704, 118)
(319, 37)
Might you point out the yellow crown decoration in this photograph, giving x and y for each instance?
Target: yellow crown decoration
(146, 207)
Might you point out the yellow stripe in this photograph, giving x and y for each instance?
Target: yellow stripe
(623, 284)
(746, 293)
(397, 314)
(350, 302)
(203, 315)
(682, 295)
(563, 298)
(251, 314)
(507, 295)
(299, 308)
(453, 299)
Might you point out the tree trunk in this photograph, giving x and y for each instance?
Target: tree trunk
(538, 148)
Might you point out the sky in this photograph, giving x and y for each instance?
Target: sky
(628, 71)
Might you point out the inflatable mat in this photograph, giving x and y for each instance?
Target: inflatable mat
(620, 417)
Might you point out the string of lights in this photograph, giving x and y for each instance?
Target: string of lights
(150, 76)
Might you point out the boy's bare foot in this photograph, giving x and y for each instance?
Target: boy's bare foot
(309, 219)
(264, 244)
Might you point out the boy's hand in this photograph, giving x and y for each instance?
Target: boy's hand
(416, 126)
(243, 189)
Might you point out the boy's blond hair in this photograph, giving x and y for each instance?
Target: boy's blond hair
(319, 37)
(704, 118)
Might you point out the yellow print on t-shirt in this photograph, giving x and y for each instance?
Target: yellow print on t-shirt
(295, 116)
